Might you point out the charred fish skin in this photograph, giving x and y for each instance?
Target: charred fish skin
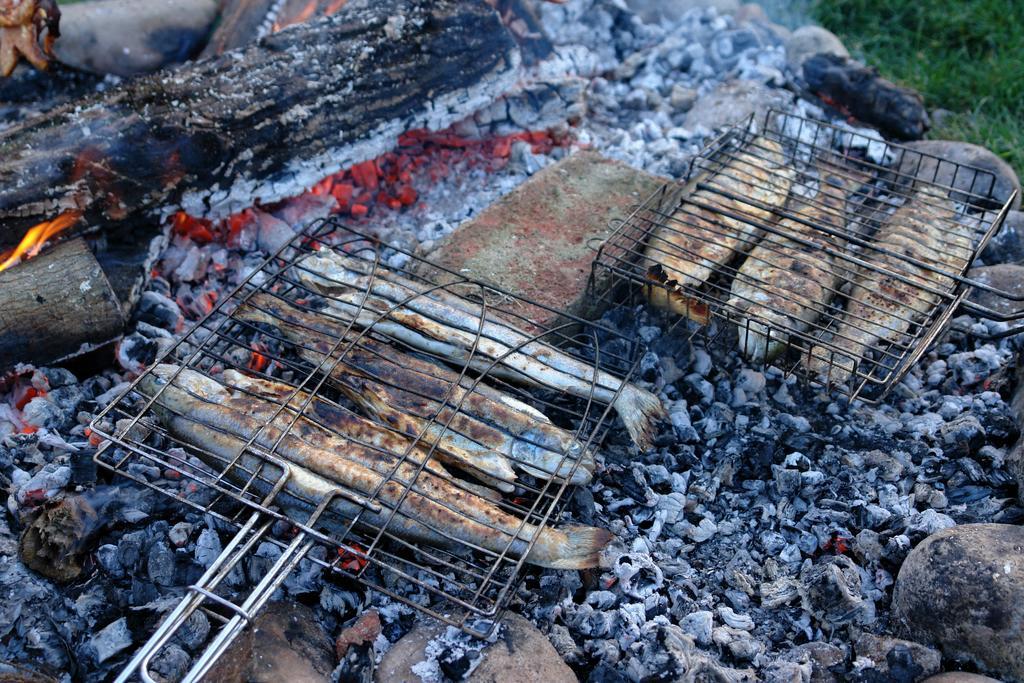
(502, 422)
(788, 279)
(470, 337)
(881, 307)
(699, 239)
(426, 506)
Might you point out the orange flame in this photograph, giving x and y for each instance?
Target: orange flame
(307, 12)
(37, 236)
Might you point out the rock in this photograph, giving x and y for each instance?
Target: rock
(285, 643)
(900, 659)
(808, 41)
(536, 241)
(1007, 245)
(365, 630)
(521, 653)
(130, 37)
(1006, 277)
(960, 677)
(733, 101)
(963, 153)
(962, 589)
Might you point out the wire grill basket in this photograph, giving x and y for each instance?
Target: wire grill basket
(252, 489)
(752, 252)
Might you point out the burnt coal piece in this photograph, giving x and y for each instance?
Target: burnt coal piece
(860, 91)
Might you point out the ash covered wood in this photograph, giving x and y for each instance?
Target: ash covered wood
(258, 124)
(851, 86)
(56, 305)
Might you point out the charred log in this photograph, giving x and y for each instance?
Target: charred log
(56, 305)
(258, 124)
(859, 90)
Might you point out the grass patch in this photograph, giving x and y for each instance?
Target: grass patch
(966, 56)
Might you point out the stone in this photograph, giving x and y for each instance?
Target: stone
(734, 101)
(962, 589)
(521, 653)
(285, 643)
(1006, 277)
(129, 37)
(537, 242)
(808, 41)
(898, 658)
(1007, 245)
(365, 630)
(960, 677)
(1005, 183)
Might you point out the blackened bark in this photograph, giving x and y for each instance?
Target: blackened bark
(261, 123)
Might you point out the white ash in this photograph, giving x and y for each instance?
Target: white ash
(769, 516)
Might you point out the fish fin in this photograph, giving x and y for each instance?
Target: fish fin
(572, 547)
(639, 410)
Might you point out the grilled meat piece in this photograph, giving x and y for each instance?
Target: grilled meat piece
(449, 326)
(414, 505)
(883, 307)
(701, 236)
(788, 280)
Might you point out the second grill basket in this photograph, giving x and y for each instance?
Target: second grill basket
(753, 252)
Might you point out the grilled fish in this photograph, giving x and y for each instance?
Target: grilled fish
(788, 279)
(701, 236)
(455, 328)
(331, 416)
(407, 393)
(427, 508)
(882, 307)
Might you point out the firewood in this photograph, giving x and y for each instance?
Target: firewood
(56, 305)
(257, 124)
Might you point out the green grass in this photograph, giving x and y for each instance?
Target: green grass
(966, 56)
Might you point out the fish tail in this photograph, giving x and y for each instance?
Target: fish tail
(639, 410)
(571, 547)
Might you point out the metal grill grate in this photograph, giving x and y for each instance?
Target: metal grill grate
(251, 487)
(828, 253)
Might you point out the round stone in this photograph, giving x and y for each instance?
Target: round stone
(808, 41)
(962, 589)
(1002, 183)
(733, 101)
(960, 677)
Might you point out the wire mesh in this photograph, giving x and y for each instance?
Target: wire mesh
(281, 370)
(829, 253)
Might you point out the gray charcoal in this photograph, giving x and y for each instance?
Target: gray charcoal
(208, 547)
(112, 639)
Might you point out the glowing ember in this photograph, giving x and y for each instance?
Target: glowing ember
(307, 12)
(37, 236)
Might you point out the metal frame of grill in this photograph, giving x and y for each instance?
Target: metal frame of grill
(885, 180)
(477, 583)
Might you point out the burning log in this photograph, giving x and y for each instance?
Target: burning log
(259, 124)
(54, 305)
